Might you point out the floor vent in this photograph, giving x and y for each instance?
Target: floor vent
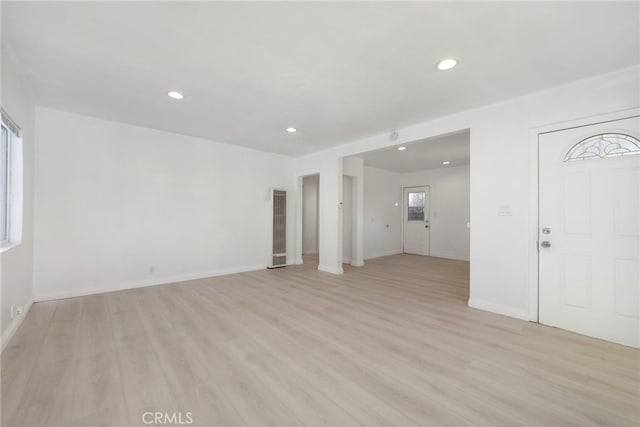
(278, 253)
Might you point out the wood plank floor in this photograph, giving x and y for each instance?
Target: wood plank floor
(389, 344)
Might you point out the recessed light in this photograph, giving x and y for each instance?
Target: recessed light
(402, 148)
(292, 130)
(446, 64)
(175, 95)
(446, 163)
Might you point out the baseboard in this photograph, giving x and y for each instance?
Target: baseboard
(449, 256)
(517, 313)
(39, 297)
(357, 263)
(381, 254)
(14, 325)
(331, 270)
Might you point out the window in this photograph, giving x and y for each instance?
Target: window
(415, 206)
(604, 145)
(10, 183)
(4, 185)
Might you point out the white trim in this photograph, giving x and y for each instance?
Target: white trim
(357, 263)
(518, 313)
(5, 246)
(15, 324)
(534, 134)
(449, 256)
(331, 270)
(6, 242)
(381, 254)
(40, 297)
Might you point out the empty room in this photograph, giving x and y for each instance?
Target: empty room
(320, 213)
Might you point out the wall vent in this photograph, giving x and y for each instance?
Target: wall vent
(278, 252)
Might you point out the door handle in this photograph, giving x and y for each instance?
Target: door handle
(545, 244)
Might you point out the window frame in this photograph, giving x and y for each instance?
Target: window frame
(14, 184)
(408, 201)
(5, 240)
(575, 155)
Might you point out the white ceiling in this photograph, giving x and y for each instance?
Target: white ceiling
(424, 154)
(337, 71)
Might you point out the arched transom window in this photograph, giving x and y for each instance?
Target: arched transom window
(603, 145)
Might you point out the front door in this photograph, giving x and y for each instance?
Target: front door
(589, 236)
(416, 220)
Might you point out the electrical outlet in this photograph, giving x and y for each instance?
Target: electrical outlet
(19, 310)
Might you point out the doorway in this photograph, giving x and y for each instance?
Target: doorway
(348, 218)
(416, 208)
(589, 230)
(310, 218)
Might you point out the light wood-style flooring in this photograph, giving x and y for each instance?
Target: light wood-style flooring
(392, 343)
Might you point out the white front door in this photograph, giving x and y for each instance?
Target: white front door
(589, 236)
(416, 220)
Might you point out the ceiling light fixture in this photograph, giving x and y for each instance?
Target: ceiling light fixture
(446, 64)
(292, 130)
(175, 95)
(446, 163)
(402, 148)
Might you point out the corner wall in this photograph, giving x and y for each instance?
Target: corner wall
(382, 218)
(120, 206)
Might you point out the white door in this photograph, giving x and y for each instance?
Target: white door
(589, 219)
(416, 220)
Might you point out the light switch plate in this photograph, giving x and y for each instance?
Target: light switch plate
(505, 210)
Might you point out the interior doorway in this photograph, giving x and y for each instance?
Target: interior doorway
(310, 217)
(416, 200)
(415, 222)
(348, 218)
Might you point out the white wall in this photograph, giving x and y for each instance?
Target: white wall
(310, 214)
(502, 247)
(382, 226)
(449, 192)
(119, 206)
(16, 264)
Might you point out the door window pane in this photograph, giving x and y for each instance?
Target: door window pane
(415, 206)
